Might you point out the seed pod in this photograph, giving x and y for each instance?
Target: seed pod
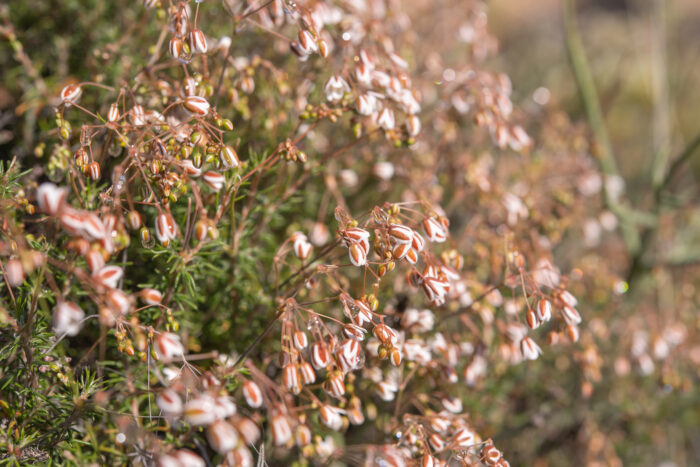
(197, 105)
(417, 242)
(94, 260)
(572, 332)
(228, 157)
(189, 168)
(385, 334)
(133, 220)
(400, 250)
(412, 256)
(386, 119)
(571, 315)
(189, 87)
(428, 461)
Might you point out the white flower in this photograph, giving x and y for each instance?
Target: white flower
(67, 319)
(335, 88)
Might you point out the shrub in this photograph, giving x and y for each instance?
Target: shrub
(285, 231)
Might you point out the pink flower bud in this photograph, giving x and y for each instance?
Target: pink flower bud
(175, 47)
(67, 319)
(118, 301)
(358, 255)
(400, 233)
(302, 435)
(290, 376)
(188, 458)
(434, 230)
(214, 180)
(320, 357)
(151, 296)
(530, 349)
(166, 228)
(228, 157)
(222, 436)
(198, 43)
(108, 276)
(302, 248)
(197, 105)
(252, 394)
(248, 430)
(544, 310)
(386, 119)
(170, 403)
(308, 375)
(168, 346)
(51, 198)
(330, 416)
(113, 114)
(71, 94)
(300, 340)
(200, 411)
(14, 272)
(281, 430)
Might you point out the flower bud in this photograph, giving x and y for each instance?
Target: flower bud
(252, 394)
(198, 43)
(197, 105)
(51, 198)
(228, 157)
(67, 319)
(168, 346)
(222, 436)
(71, 94)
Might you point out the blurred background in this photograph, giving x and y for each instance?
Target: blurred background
(644, 56)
